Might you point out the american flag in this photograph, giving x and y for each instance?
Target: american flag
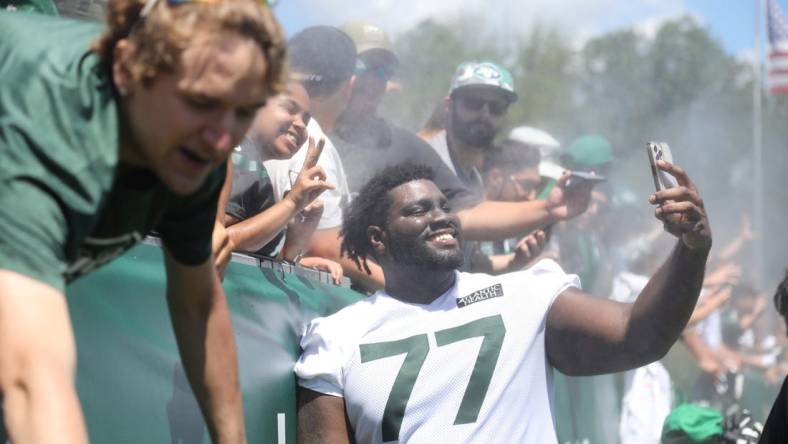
(778, 51)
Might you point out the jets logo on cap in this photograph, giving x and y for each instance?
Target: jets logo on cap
(486, 72)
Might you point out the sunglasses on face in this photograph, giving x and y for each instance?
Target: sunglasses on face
(496, 107)
(383, 72)
(526, 185)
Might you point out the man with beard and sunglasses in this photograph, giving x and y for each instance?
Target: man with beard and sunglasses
(470, 357)
(477, 104)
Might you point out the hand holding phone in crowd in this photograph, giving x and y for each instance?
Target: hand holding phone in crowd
(680, 207)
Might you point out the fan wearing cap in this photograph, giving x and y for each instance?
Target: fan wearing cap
(511, 174)
(515, 171)
(549, 168)
(582, 244)
(479, 98)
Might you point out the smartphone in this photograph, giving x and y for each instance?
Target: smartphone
(577, 177)
(660, 151)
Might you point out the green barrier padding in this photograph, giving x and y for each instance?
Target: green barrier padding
(133, 388)
(129, 378)
(40, 6)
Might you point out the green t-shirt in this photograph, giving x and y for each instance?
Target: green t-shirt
(66, 205)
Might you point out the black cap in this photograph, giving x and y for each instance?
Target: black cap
(322, 58)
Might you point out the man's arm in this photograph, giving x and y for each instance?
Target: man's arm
(201, 321)
(492, 220)
(710, 303)
(221, 245)
(321, 419)
(253, 233)
(587, 335)
(37, 363)
(707, 359)
(300, 230)
(528, 248)
(327, 244)
(224, 193)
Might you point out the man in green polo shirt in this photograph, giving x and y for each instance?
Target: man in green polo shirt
(100, 144)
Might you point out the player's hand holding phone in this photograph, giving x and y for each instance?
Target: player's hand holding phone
(679, 206)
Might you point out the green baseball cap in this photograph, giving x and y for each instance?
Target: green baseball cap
(483, 74)
(588, 151)
(691, 423)
(369, 37)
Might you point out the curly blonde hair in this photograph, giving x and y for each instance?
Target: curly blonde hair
(161, 36)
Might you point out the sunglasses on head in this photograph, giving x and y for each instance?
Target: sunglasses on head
(149, 4)
(383, 72)
(496, 107)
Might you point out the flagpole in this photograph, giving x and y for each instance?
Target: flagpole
(757, 143)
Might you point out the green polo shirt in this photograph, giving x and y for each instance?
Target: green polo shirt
(66, 205)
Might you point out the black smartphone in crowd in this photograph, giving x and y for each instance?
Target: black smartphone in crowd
(578, 177)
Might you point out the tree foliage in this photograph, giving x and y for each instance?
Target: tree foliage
(677, 85)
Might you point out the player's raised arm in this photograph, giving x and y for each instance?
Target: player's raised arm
(588, 335)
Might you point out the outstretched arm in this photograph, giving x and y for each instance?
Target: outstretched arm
(321, 419)
(201, 321)
(512, 219)
(528, 248)
(587, 335)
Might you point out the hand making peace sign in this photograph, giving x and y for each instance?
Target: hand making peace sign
(311, 180)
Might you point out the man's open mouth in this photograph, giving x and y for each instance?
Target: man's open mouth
(444, 237)
(294, 139)
(194, 156)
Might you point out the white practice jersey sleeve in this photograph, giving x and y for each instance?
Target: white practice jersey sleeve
(284, 172)
(471, 365)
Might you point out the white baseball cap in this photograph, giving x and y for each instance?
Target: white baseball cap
(549, 149)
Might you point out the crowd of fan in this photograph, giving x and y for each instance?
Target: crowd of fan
(311, 149)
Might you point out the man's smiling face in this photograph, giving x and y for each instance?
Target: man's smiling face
(420, 228)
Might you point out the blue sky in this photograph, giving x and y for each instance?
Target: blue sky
(730, 21)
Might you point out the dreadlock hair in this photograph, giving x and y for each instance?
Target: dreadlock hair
(781, 296)
(370, 208)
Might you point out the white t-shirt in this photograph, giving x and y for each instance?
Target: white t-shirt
(646, 403)
(438, 143)
(647, 390)
(469, 367)
(284, 172)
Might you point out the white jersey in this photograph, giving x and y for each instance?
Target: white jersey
(469, 367)
(283, 174)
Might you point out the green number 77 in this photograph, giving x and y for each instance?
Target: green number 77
(416, 348)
